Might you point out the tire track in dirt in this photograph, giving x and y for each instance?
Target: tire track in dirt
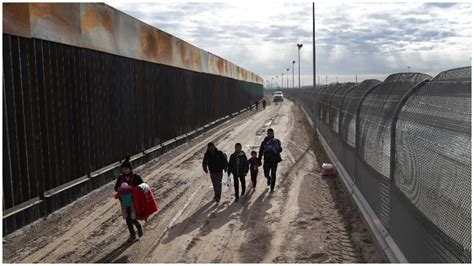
(227, 146)
(305, 220)
(53, 239)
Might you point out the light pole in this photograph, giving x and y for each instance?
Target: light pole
(276, 80)
(299, 45)
(287, 77)
(314, 52)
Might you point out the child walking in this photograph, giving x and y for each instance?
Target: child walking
(254, 163)
(239, 167)
(124, 185)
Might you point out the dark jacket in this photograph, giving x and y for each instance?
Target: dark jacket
(215, 161)
(134, 181)
(254, 163)
(270, 149)
(238, 164)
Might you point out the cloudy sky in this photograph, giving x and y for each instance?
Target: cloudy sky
(368, 39)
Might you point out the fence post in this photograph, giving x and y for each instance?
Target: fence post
(339, 119)
(359, 106)
(393, 124)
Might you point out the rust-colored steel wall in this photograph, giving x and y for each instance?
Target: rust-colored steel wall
(100, 27)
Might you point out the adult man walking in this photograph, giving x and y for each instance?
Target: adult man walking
(215, 162)
(270, 149)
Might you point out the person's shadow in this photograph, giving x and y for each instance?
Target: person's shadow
(111, 257)
(208, 218)
(255, 222)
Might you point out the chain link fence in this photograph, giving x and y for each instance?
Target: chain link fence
(406, 144)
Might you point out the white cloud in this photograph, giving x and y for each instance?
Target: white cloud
(369, 39)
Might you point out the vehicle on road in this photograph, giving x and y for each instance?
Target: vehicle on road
(278, 96)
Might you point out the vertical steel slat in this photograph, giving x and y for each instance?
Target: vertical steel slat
(48, 145)
(100, 110)
(129, 105)
(122, 122)
(145, 102)
(105, 109)
(151, 101)
(21, 186)
(54, 113)
(8, 200)
(92, 74)
(7, 165)
(85, 107)
(112, 94)
(37, 103)
(32, 118)
(61, 113)
(73, 99)
(113, 108)
(67, 124)
(77, 160)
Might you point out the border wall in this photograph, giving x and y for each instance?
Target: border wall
(84, 85)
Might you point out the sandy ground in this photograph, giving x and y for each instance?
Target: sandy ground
(307, 219)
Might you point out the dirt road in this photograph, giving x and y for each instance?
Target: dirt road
(307, 219)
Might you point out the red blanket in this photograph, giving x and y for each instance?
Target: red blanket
(144, 203)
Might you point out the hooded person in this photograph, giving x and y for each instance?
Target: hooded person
(126, 200)
(270, 150)
(214, 162)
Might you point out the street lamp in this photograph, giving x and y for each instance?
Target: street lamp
(276, 80)
(287, 77)
(299, 45)
(294, 74)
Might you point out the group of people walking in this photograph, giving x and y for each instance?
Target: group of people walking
(257, 102)
(215, 163)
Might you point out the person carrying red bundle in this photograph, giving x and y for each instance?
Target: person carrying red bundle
(126, 197)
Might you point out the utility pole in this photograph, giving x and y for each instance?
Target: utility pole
(299, 64)
(294, 74)
(287, 77)
(314, 52)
